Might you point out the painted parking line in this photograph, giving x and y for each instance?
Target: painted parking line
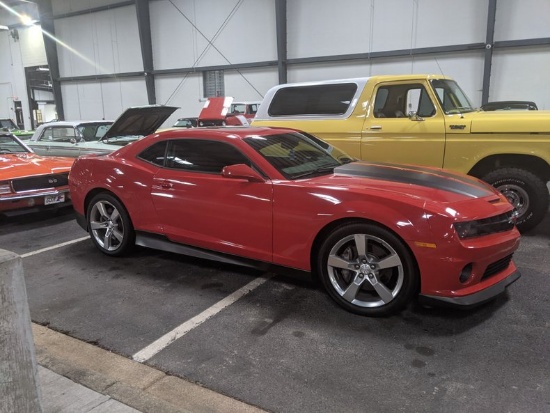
(178, 332)
(28, 254)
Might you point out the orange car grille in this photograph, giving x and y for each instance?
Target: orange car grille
(40, 182)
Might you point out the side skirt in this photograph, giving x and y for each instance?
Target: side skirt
(162, 243)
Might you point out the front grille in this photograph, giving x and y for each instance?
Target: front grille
(40, 182)
(496, 267)
(499, 223)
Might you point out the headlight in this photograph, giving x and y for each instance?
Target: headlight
(5, 188)
(486, 226)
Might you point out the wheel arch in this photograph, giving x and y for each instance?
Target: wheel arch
(531, 163)
(90, 195)
(327, 229)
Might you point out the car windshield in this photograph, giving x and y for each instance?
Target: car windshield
(9, 144)
(8, 124)
(451, 97)
(298, 155)
(93, 131)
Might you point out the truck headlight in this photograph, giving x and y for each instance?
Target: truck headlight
(5, 188)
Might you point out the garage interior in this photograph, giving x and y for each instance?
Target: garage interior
(281, 346)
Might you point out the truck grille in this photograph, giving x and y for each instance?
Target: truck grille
(40, 182)
(497, 267)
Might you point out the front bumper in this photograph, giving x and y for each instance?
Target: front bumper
(32, 200)
(472, 300)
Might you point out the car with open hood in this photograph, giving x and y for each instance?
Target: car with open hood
(76, 138)
(30, 182)
(376, 234)
(8, 125)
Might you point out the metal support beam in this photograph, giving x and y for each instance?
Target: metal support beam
(47, 24)
(144, 27)
(489, 40)
(280, 17)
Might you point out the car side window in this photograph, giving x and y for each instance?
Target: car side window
(199, 155)
(155, 154)
(59, 134)
(398, 101)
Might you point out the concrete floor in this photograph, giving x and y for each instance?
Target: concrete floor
(285, 346)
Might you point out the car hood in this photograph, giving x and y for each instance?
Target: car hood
(139, 121)
(421, 183)
(509, 121)
(28, 164)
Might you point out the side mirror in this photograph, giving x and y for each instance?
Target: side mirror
(242, 171)
(73, 140)
(414, 116)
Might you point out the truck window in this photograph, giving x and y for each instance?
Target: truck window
(451, 97)
(332, 99)
(398, 101)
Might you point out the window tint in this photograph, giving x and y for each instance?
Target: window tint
(313, 100)
(199, 155)
(397, 101)
(155, 153)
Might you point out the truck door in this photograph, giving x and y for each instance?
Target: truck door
(404, 126)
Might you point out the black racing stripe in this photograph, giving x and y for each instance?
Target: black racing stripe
(417, 176)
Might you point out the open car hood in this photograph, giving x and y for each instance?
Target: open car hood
(216, 108)
(139, 121)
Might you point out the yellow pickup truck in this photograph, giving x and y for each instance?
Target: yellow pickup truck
(423, 120)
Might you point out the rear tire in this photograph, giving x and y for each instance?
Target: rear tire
(367, 270)
(526, 192)
(109, 225)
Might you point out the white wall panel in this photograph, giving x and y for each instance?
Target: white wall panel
(31, 43)
(441, 23)
(182, 91)
(70, 6)
(102, 100)
(250, 85)
(12, 79)
(99, 43)
(521, 74)
(525, 19)
(240, 31)
(326, 27)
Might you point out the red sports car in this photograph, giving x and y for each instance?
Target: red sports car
(377, 235)
(29, 182)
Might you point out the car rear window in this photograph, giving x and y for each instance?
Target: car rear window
(332, 99)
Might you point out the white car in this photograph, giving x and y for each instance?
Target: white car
(78, 138)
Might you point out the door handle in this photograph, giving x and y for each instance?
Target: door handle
(166, 185)
(376, 127)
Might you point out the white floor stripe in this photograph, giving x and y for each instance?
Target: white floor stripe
(28, 254)
(164, 341)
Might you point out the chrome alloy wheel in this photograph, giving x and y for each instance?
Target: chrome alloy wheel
(365, 270)
(106, 225)
(517, 196)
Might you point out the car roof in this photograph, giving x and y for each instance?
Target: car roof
(221, 131)
(74, 123)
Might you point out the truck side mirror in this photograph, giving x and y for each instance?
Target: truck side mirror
(414, 116)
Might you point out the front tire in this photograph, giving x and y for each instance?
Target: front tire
(367, 270)
(525, 191)
(109, 225)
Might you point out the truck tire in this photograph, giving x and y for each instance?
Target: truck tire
(525, 191)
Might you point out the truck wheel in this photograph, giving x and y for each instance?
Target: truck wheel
(367, 270)
(525, 191)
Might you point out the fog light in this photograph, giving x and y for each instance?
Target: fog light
(465, 274)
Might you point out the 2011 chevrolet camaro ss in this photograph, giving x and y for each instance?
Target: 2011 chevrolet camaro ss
(377, 235)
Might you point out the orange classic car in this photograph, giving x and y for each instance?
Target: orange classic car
(30, 182)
